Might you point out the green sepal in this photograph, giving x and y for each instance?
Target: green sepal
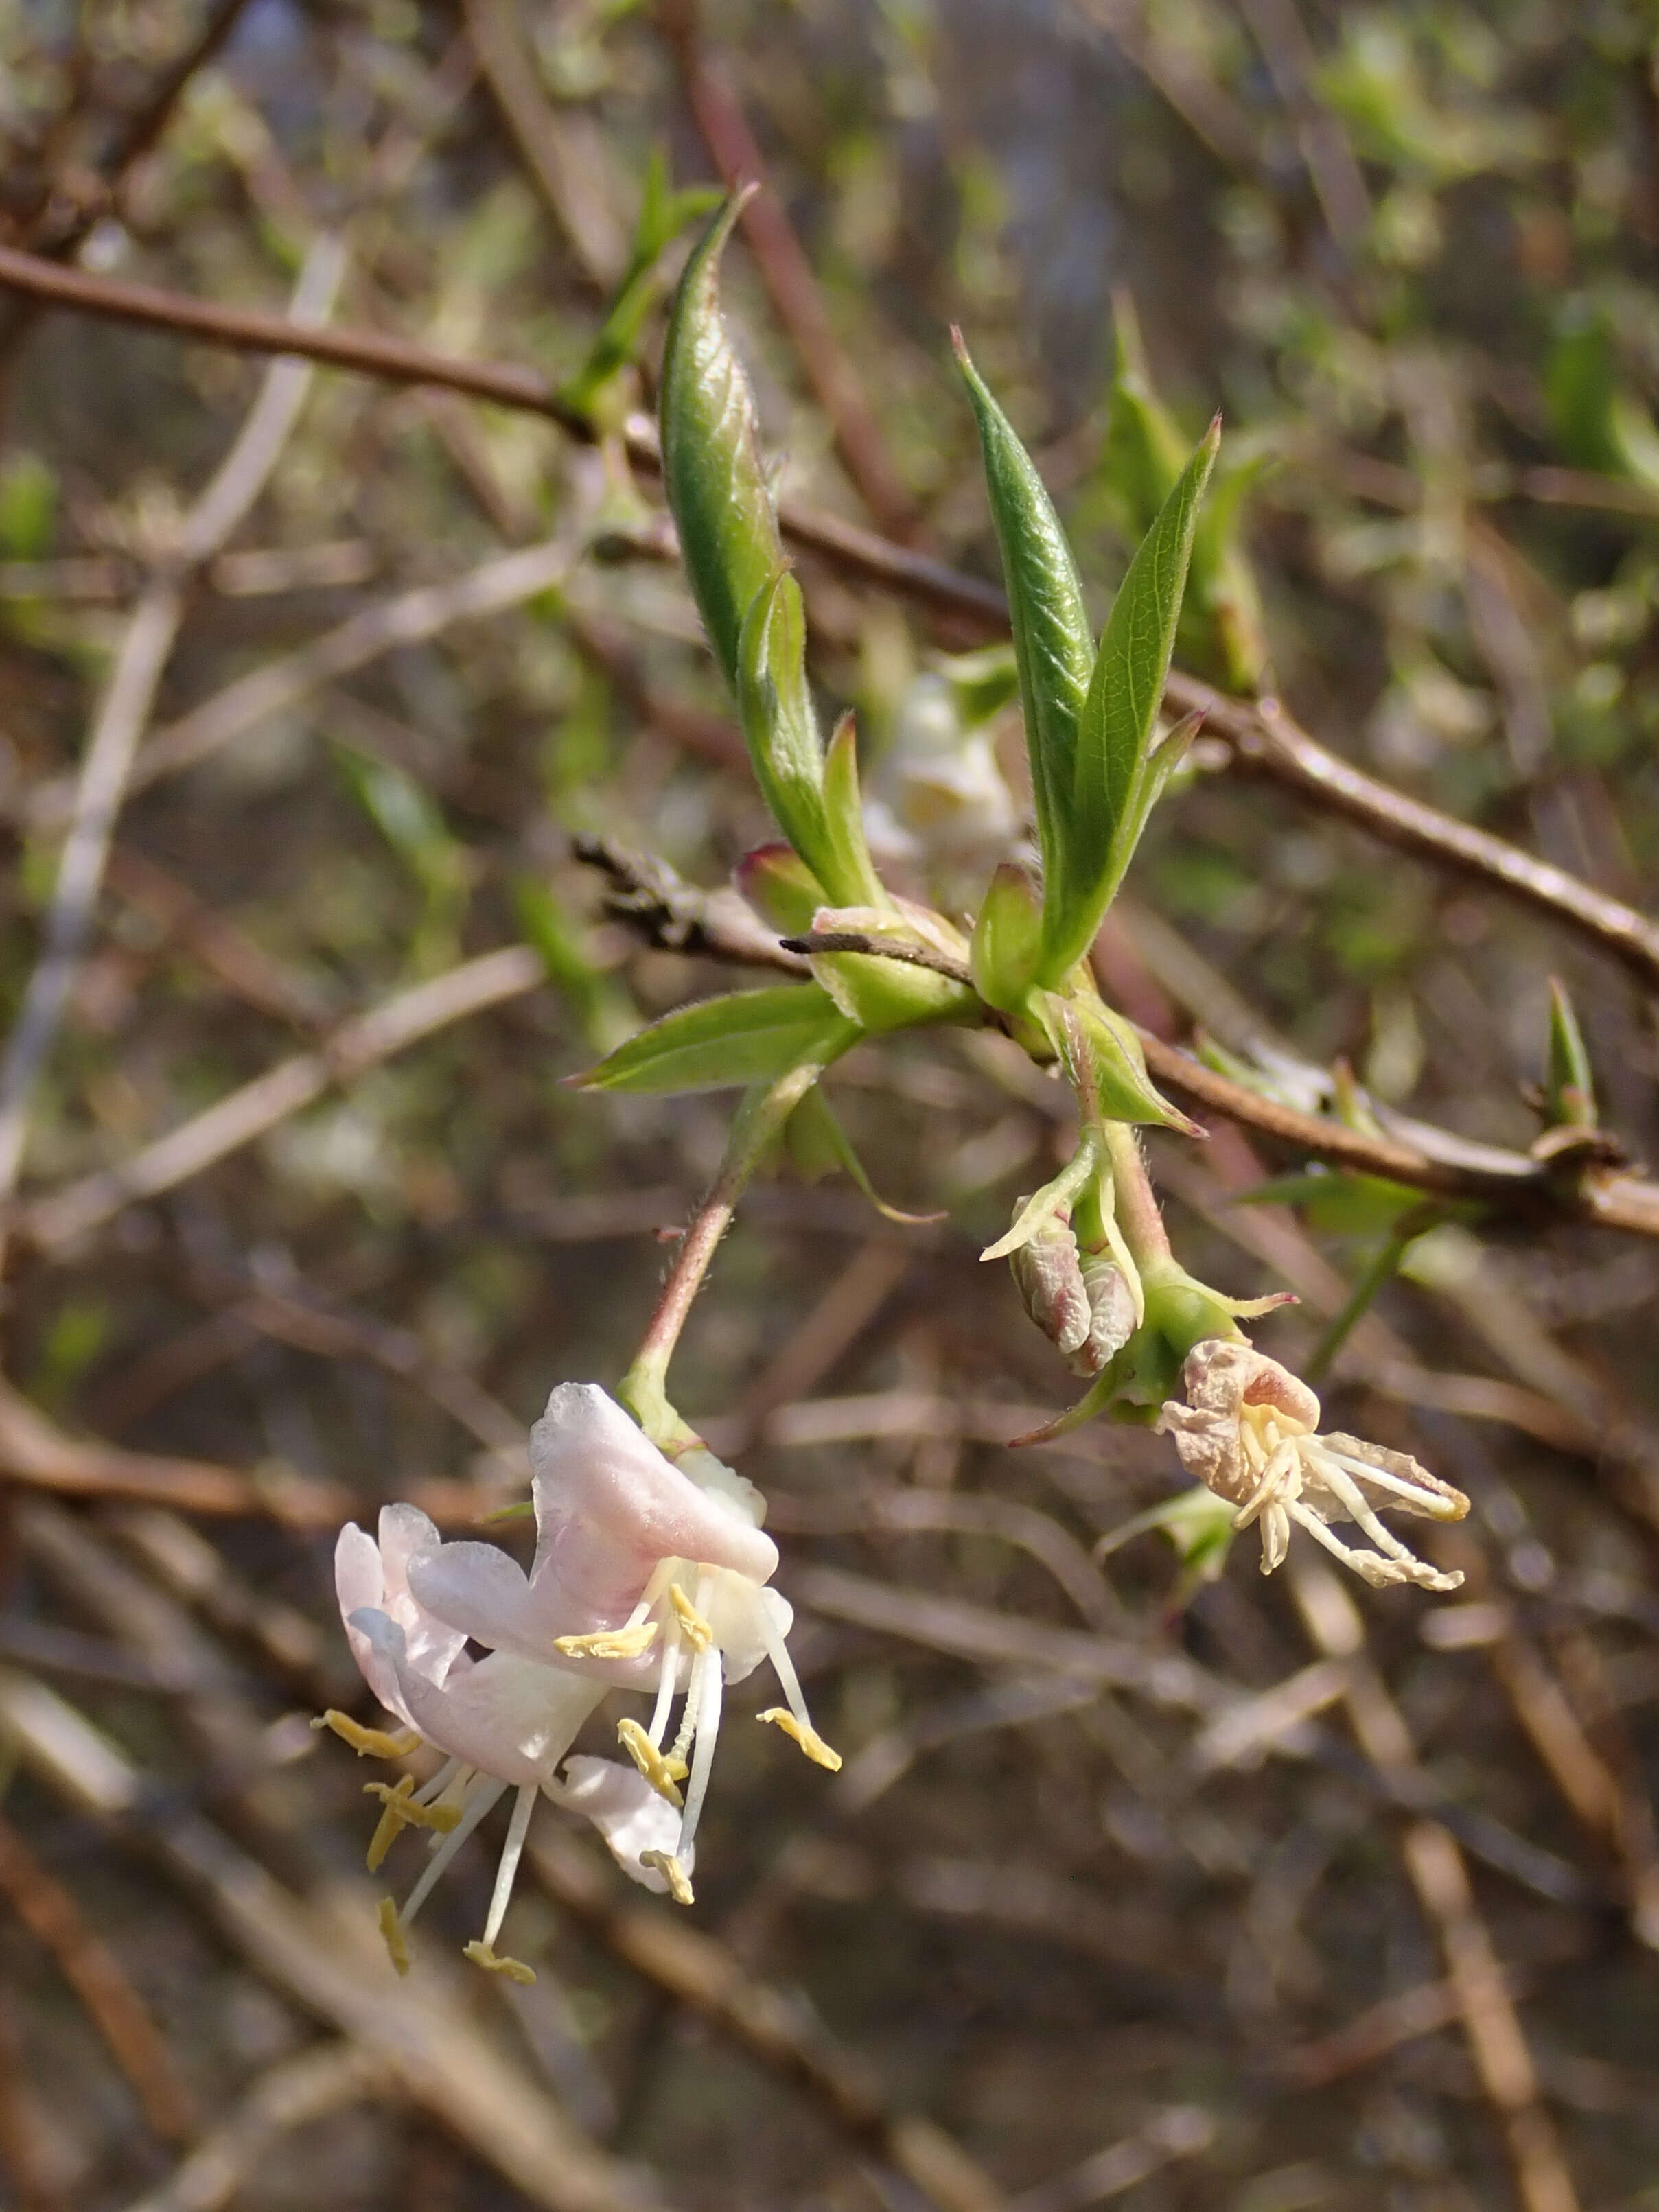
(1570, 1088)
(1108, 784)
(1055, 1199)
(1127, 1092)
(748, 1037)
(775, 703)
(1007, 938)
(781, 887)
(711, 462)
(816, 1143)
(1054, 644)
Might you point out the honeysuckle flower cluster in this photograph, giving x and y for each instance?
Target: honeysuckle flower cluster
(1248, 1429)
(649, 1575)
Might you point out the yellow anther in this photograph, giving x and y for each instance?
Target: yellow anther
(399, 1811)
(666, 1864)
(697, 1633)
(610, 1643)
(482, 1955)
(804, 1735)
(661, 1773)
(393, 1934)
(367, 1743)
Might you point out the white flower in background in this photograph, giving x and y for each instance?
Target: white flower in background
(1247, 1429)
(937, 793)
(646, 1576)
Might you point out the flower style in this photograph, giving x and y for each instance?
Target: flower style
(645, 1575)
(1246, 1428)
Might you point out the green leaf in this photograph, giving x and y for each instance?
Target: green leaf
(1570, 1087)
(775, 706)
(1118, 719)
(748, 1037)
(663, 214)
(855, 881)
(712, 471)
(1054, 644)
(816, 1143)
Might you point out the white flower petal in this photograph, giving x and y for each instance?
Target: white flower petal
(627, 1812)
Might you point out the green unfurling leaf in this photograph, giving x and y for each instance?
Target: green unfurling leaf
(1569, 1091)
(712, 470)
(776, 705)
(1054, 644)
(1119, 716)
(748, 1037)
(1006, 938)
(664, 213)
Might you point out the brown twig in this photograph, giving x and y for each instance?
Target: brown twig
(50, 1223)
(1438, 1873)
(1437, 1161)
(1264, 739)
(124, 712)
(791, 284)
(292, 2094)
(701, 1973)
(99, 1979)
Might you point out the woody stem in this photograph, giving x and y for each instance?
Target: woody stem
(764, 1110)
(1137, 1213)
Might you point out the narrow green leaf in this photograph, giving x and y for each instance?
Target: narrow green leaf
(854, 881)
(775, 703)
(748, 1037)
(712, 471)
(1119, 716)
(1053, 646)
(664, 213)
(1570, 1089)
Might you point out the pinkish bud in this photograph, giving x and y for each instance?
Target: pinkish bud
(1050, 1284)
(1112, 1315)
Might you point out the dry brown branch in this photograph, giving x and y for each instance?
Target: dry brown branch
(51, 1223)
(701, 1973)
(1263, 739)
(1420, 1155)
(291, 2095)
(791, 284)
(563, 173)
(99, 1979)
(407, 618)
(1435, 1865)
(124, 711)
(1179, 2131)
(323, 1953)
(37, 1454)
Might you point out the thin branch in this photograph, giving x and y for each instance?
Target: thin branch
(791, 284)
(126, 705)
(292, 2094)
(50, 1223)
(1436, 1868)
(1264, 740)
(1429, 1159)
(100, 1980)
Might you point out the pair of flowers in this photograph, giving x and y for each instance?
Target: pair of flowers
(648, 1576)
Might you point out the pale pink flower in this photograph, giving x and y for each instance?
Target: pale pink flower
(1247, 1429)
(647, 1575)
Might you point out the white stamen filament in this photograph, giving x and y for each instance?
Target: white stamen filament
(1428, 1500)
(476, 1806)
(430, 1791)
(667, 1680)
(518, 1829)
(707, 1688)
(784, 1668)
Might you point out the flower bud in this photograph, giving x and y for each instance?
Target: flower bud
(1051, 1286)
(1111, 1314)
